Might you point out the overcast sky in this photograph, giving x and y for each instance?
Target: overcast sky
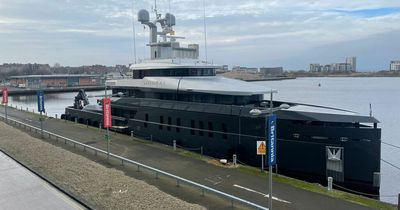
(254, 33)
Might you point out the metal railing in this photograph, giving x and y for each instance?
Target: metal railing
(123, 160)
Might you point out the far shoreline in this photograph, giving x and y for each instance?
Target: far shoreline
(255, 76)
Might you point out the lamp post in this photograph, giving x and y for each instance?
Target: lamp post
(108, 130)
(269, 113)
(40, 101)
(107, 118)
(5, 100)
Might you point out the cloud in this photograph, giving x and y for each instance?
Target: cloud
(253, 32)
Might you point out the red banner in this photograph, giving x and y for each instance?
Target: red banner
(5, 96)
(107, 113)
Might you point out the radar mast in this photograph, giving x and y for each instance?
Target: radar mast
(167, 47)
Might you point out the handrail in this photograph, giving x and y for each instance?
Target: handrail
(123, 159)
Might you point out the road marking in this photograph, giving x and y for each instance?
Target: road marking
(214, 179)
(265, 195)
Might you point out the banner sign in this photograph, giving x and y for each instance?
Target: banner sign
(107, 113)
(261, 148)
(40, 101)
(5, 96)
(271, 140)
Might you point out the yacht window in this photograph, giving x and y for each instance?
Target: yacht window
(114, 111)
(224, 99)
(169, 123)
(192, 125)
(210, 128)
(146, 118)
(178, 124)
(224, 131)
(201, 127)
(193, 72)
(161, 122)
(132, 114)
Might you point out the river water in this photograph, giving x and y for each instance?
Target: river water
(55, 103)
(356, 94)
(348, 93)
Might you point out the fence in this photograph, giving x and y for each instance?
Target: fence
(123, 160)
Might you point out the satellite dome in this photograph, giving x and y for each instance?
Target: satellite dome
(143, 16)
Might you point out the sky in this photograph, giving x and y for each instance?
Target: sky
(252, 33)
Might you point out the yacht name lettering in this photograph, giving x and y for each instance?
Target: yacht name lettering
(154, 83)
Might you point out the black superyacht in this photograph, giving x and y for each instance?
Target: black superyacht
(175, 96)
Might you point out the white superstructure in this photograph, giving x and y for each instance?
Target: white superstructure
(173, 67)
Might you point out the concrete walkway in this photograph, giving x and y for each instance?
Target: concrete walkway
(232, 181)
(21, 189)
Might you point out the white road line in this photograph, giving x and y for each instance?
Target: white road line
(212, 181)
(265, 195)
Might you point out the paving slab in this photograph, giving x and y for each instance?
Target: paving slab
(21, 189)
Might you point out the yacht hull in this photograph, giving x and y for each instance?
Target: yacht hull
(304, 147)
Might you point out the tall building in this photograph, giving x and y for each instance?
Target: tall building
(349, 66)
(316, 67)
(353, 62)
(395, 65)
(342, 67)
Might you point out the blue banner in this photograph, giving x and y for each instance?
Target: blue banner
(40, 100)
(271, 140)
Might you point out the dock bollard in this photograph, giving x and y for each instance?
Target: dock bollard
(174, 143)
(234, 160)
(330, 182)
(132, 134)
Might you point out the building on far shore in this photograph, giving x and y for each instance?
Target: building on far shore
(225, 68)
(245, 69)
(56, 81)
(353, 62)
(271, 71)
(316, 67)
(349, 66)
(395, 65)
